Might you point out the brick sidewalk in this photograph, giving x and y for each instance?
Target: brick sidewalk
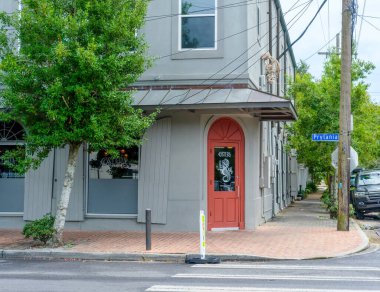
(304, 230)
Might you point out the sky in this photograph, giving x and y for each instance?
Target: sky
(324, 29)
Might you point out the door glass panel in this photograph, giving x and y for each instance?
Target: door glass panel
(224, 178)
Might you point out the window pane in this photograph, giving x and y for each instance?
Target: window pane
(112, 196)
(125, 166)
(224, 178)
(198, 7)
(198, 32)
(11, 131)
(369, 179)
(113, 182)
(5, 172)
(11, 183)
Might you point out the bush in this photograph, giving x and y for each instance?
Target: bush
(311, 186)
(351, 211)
(331, 205)
(41, 229)
(302, 194)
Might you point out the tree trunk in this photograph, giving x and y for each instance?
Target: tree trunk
(63, 203)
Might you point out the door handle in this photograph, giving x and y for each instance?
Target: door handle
(238, 189)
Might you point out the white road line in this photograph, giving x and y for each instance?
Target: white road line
(279, 277)
(287, 267)
(171, 288)
(45, 273)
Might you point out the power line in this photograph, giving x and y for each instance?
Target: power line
(223, 78)
(360, 29)
(240, 32)
(233, 5)
(374, 26)
(316, 52)
(328, 18)
(324, 2)
(294, 4)
(299, 15)
(320, 18)
(240, 66)
(368, 16)
(354, 12)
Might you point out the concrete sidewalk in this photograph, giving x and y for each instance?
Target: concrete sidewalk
(302, 231)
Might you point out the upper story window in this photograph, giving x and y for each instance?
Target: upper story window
(198, 24)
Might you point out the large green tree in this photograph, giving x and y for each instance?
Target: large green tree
(317, 103)
(65, 65)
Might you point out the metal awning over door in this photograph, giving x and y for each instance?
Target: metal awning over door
(259, 104)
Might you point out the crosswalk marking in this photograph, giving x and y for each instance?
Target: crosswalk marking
(172, 288)
(279, 277)
(287, 267)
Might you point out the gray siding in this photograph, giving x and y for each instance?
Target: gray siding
(189, 67)
(75, 209)
(38, 190)
(154, 172)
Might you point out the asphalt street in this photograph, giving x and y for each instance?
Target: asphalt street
(360, 272)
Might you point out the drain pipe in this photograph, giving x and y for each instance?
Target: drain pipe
(271, 150)
(261, 186)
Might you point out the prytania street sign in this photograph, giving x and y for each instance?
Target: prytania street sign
(325, 137)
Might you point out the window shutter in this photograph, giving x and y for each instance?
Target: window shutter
(153, 182)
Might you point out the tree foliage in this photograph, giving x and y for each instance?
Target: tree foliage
(65, 82)
(317, 103)
(65, 66)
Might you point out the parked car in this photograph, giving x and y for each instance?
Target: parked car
(365, 192)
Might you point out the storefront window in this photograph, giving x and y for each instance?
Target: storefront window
(113, 182)
(224, 179)
(11, 182)
(125, 166)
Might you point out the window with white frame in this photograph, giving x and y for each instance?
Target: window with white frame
(198, 20)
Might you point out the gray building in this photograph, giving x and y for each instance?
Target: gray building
(218, 143)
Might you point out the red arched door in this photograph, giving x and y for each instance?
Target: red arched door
(225, 173)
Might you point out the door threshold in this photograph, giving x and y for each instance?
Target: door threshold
(225, 229)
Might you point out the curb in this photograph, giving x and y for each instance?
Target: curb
(363, 246)
(59, 254)
(135, 257)
(365, 240)
(236, 257)
(140, 257)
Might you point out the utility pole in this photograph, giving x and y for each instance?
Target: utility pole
(337, 46)
(344, 119)
(337, 41)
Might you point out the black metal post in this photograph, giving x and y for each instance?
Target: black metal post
(148, 228)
